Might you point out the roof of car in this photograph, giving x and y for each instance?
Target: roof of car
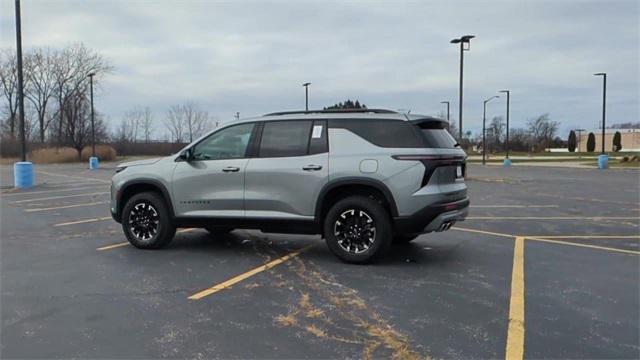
(340, 114)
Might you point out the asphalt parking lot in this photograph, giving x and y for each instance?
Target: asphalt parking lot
(546, 266)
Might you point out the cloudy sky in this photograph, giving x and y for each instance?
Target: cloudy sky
(252, 57)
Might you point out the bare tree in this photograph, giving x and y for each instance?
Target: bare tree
(147, 124)
(9, 80)
(175, 123)
(542, 130)
(495, 132)
(72, 66)
(40, 73)
(196, 121)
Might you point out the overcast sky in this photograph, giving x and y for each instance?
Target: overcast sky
(252, 57)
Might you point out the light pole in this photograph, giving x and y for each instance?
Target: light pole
(507, 162)
(579, 131)
(93, 128)
(484, 131)
(446, 102)
(604, 104)
(306, 96)
(23, 144)
(462, 41)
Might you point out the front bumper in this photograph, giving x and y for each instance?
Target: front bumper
(437, 217)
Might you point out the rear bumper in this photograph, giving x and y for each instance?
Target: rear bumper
(437, 217)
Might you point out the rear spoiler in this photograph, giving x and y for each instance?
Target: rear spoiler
(429, 122)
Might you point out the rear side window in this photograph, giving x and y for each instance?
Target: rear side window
(435, 136)
(285, 138)
(380, 132)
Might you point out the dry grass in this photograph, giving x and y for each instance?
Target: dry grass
(316, 331)
(286, 320)
(67, 154)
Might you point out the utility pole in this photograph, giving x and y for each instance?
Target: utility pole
(462, 41)
(507, 137)
(93, 127)
(604, 104)
(579, 131)
(306, 96)
(484, 131)
(23, 141)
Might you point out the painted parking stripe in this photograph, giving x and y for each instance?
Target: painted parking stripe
(73, 177)
(54, 190)
(515, 330)
(58, 197)
(514, 206)
(589, 246)
(236, 279)
(595, 218)
(65, 206)
(114, 246)
(585, 236)
(482, 232)
(126, 243)
(83, 221)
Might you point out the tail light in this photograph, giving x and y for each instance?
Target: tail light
(431, 162)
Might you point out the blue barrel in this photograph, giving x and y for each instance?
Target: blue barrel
(506, 162)
(93, 163)
(603, 161)
(23, 174)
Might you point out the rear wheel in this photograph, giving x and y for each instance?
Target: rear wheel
(358, 229)
(146, 221)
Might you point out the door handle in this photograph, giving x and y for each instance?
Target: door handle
(231, 169)
(312, 167)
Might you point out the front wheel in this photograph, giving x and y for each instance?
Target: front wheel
(146, 221)
(358, 229)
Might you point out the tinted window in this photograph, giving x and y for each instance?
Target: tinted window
(319, 141)
(229, 143)
(438, 138)
(380, 132)
(285, 138)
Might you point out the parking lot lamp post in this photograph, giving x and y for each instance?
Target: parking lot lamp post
(93, 128)
(462, 41)
(306, 96)
(446, 102)
(507, 162)
(579, 131)
(604, 102)
(484, 131)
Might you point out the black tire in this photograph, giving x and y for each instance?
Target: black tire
(218, 230)
(146, 221)
(404, 239)
(352, 243)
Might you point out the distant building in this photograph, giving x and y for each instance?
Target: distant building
(630, 139)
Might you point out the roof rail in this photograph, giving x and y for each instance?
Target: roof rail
(333, 111)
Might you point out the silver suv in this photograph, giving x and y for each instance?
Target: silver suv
(362, 179)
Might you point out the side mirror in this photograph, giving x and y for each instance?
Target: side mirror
(186, 155)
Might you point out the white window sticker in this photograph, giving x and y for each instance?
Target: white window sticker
(317, 132)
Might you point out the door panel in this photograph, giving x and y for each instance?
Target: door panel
(211, 183)
(282, 188)
(292, 166)
(208, 188)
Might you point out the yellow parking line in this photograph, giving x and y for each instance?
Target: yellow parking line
(57, 197)
(83, 221)
(515, 331)
(552, 218)
(586, 236)
(236, 279)
(585, 245)
(514, 206)
(54, 190)
(482, 232)
(109, 247)
(115, 246)
(65, 206)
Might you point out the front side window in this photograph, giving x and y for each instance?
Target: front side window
(285, 138)
(229, 143)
